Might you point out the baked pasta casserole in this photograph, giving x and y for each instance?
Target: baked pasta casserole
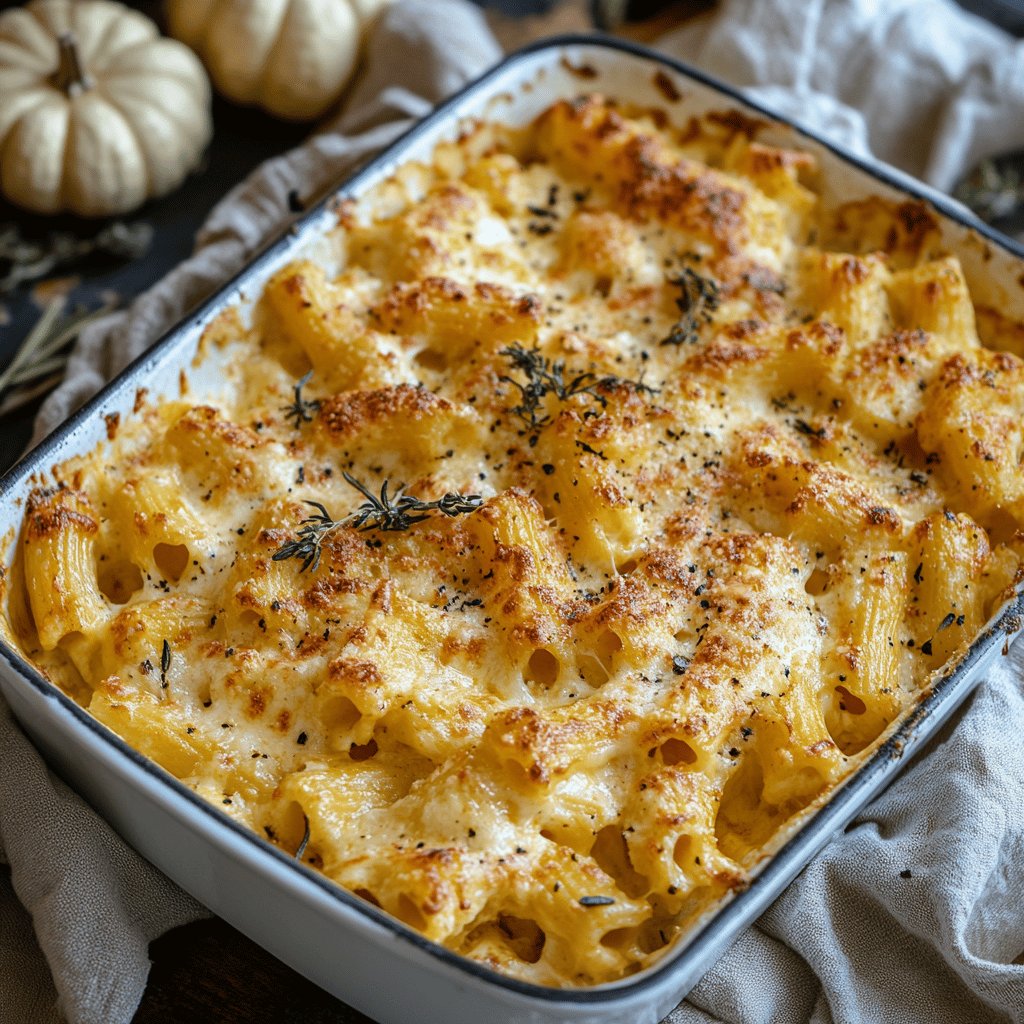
(553, 541)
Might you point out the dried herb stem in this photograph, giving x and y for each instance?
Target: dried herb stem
(698, 299)
(30, 260)
(550, 377)
(385, 512)
(39, 354)
(301, 410)
(305, 840)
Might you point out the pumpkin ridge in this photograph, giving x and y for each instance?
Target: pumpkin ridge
(138, 135)
(42, 97)
(267, 62)
(43, 23)
(176, 115)
(100, 46)
(120, 79)
(39, 62)
(223, 82)
(64, 160)
(160, 72)
(76, 21)
(97, 94)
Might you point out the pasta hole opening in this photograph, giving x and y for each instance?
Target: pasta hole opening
(626, 567)
(603, 286)
(676, 751)
(520, 777)
(202, 692)
(623, 940)
(524, 937)
(592, 672)
(362, 751)
(69, 641)
(543, 668)
(851, 723)
(409, 913)
(566, 838)
(611, 853)
(817, 582)
(340, 716)
(366, 896)
(289, 826)
(655, 935)
(609, 644)
(682, 852)
(171, 560)
(1002, 526)
(639, 940)
(850, 701)
(745, 821)
(431, 359)
(118, 581)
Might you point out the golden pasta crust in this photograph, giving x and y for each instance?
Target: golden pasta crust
(558, 542)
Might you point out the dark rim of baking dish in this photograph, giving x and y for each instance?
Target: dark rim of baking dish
(851, 794)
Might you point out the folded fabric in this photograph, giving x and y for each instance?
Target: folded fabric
(913, 914)
(920, 84)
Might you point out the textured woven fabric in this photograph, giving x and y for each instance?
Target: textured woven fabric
(916, 913)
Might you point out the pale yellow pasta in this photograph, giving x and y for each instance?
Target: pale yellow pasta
(551, 551)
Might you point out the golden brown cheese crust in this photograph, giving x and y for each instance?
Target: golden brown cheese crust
(741, 494)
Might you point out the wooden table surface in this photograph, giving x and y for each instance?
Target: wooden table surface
(207, 972)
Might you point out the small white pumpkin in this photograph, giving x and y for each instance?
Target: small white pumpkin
(97, 112)
(291, 57)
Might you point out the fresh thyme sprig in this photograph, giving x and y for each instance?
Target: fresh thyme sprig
(385, 512)
(546, 377)
(40, 358)
(301, 409)
(312, 533)
(400, 511)
(698, 299)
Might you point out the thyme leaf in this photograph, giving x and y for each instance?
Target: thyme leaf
(165, 663)
(805, 428)
(301, 409)
(385, 512)
(546, 377)
(400, 511)
(698, 299)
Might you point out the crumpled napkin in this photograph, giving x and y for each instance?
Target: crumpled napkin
(914, 914)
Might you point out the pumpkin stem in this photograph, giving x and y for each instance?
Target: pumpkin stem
(70, 76)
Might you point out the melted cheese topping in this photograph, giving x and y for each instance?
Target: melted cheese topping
(742, 494)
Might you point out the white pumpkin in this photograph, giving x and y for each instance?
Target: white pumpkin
(291, 57)
(97, 111)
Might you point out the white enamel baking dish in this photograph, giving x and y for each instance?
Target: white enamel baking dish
(338, 941)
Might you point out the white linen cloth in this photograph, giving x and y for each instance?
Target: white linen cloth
(916, 913)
